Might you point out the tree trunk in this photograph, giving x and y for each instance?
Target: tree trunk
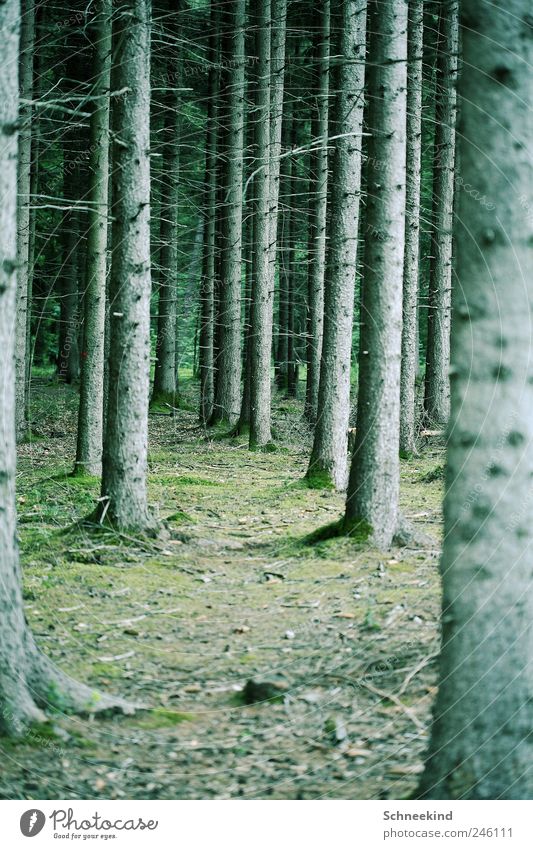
(228, 386)
(482, 743)
(165, 377)
(68, 359)
(317, 225)
(283, 240)
(292, 248)
(27, 38)
(207, 291)
(243, 426)
(28, 680)
(279, 30)
(91, 409)
(126, 435)
(262, 293)
(328, 464)
(409, 364)
(437, 390)
(373, 490)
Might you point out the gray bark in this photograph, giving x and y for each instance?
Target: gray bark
(328, 464)
(482, 737)
(409, 365)
(262, 290)
(277, 70)
(68, 359)
(91, 408)
(373, 490)
(228, 386)
(317, 225)
(27, 38)
(283, 241)
(28, 680)
(125, 440)
(165, 376)
(207, 292)
(437, 390)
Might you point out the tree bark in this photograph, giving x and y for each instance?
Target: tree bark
(482, 742)
(262, 291)
(28, 680)
(207, 292)
(165, 376)
(409, 364)
(124, 497)
(437, 389)
(68, 359)
(278, 42)
(317, 225)
(373, 489)
(27, 38)
(91, 409)
(283, 242)
(328, 464)
(228, 385)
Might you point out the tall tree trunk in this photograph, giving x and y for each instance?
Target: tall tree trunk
(28, 680)
(292, 262)
(91, 408)
(328, 464)
(68, 360)
(437, 390)
(165, 378)
(27, 38)
(482, 743)
(207, 290)
(317, 224)
(126, 434)
(283, 240)
(228, 386)
(409, 363)
(277, 91)
(243, 426)
(373, 489)
(262, 294)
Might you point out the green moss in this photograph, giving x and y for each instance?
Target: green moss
(160, 718)
(182, 480)
(318, 479)
(358, 530)
(179, 516)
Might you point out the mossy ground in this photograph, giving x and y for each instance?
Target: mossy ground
(235, 592)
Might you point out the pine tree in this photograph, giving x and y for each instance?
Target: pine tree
(165, 376)
(262, 291)
(27, 38)
(409, 365)
(328, 464)
(207, 290)
(317, 226)
(481, 744)
(29, 682)
(373, 489)
(91, 409)
(228, 385)
(437, 390)
(124, 498)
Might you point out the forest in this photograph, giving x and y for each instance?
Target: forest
(266, 399)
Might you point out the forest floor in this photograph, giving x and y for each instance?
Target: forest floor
(333, 644)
